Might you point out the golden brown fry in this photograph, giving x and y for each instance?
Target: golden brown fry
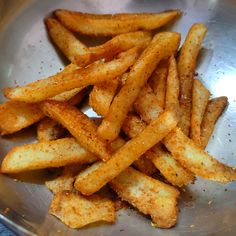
(147, 105)
(172, 87)
(158, 82)
(102, 95)
(61, 82)
(200, 98)
(214, 109)
(113, 47)
(195, 159)
(65, 40)
(15, 116)
(48, 129)
(65, 181)
(79, 125)
(163, 161)
(186, 68)
(48, 154)
(77, 211)
(149, 195)
(145, 165)
(108, 25)
(161, 46)
(96, 176)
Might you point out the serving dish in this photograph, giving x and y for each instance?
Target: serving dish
(27, 54)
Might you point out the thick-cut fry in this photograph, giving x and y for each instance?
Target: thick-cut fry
(200, 98)
(79, 125)
(65, 40)
(164, 162)
(77, 211)
(113, 47)
(48, 129)
(48, 154)
(15, 116)
(147, 105)
(65, 181)
(149, 195)
(96, 73)
(96, 176)
(186, 68)
(145, 166)
(172, 87)
(107, 25)
(195, 159)
(214, 109)
(158, 82)
(102, 95)
(161, 46)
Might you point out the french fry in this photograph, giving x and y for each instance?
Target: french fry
(214, 109)
(79, 125)
(108, 25)
(163, 161)
(200, 98)
(77, 211)
(48, 154)
(65, 40)
(102, 95)
(48, 129)
(65, 181)
(161, 46)
(172, 87)
(147, 105)
(15, 116)
(186, 68)
(96, 176)
(145, 165)
(113, 47)
(96, 73)
(150, 196)
(157, 82)
(195, 159)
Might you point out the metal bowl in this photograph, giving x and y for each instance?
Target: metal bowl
(206, 208)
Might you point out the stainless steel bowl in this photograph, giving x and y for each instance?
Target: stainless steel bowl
(206, 208)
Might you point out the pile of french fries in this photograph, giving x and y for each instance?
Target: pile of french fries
(156, 117)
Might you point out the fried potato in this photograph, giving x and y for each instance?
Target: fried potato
(79, 125)
(145, 166)
(151, 196)
(76, 211)
(108, 25)
(158, 82)
(195, 159)
(186, 68)
(172, 87)
(214, 109)
(113, 47)
(102, 95)
(163, 161)
(65, 181)
(65, 40)
(15, 116)
(48, 130)
(96, 176)
(48, 154)
(161, 46)
(147, 104)
(98, 72)
(200, 98)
